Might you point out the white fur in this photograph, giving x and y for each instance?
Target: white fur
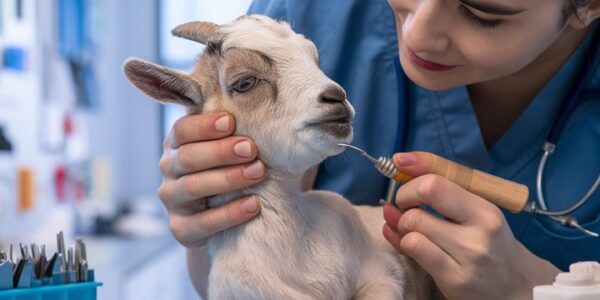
(302, 245)
(300, 82)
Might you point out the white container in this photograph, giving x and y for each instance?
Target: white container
(582, 282)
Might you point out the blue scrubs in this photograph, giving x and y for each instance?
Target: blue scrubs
(358, 48)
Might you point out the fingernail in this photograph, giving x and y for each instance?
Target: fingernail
(249, 205)
(222, 124)
(405, 159)
(254, 171)
(243, 149)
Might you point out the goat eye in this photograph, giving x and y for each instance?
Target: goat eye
(245, 84)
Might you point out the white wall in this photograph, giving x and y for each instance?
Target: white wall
(126, 127)
(22, 101)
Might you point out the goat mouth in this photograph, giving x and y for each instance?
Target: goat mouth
(337, 119)
(339, 127)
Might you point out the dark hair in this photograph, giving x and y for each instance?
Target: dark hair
(571, 7)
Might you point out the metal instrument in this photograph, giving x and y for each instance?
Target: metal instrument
(499, 191)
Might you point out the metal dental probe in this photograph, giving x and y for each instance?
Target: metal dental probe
(501, 192)
(384, 165)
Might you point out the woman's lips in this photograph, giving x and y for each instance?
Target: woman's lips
(428, 65)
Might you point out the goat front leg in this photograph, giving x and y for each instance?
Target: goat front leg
(236, 291)
(228, 284)
(379, 290)
(380, 279)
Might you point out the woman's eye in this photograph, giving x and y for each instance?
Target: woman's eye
(245, 84)
(478, 20)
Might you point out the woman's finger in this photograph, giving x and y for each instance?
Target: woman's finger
(428, 255)
(415, 163)
(198, 128)
(444, 196)
(391, 215)
(194, 157)
(446, 235)
(175, 192)
(391, 236)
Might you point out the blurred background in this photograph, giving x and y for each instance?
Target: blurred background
(79, 146)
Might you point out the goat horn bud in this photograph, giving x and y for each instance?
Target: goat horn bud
(202, 32)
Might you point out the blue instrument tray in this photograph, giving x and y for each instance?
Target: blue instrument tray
(71, 291)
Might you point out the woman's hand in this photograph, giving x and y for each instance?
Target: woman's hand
(471, 253)
(202, 159)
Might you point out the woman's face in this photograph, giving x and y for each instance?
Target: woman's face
(447, 43)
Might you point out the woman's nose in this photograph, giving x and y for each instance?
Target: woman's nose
(424, 29)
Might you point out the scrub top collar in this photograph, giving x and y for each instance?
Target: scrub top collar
(453, 120)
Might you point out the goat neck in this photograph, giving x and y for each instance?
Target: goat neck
(281, 204)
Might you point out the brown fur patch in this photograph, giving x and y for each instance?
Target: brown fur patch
(217, 73)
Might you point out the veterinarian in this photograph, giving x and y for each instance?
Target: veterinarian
(480, 82)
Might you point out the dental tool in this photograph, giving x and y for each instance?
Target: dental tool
(501, 192)
(384, 165)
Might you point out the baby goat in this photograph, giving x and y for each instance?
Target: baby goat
(303, 245)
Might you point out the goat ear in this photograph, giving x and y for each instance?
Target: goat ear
(162, 83)
(201, 32)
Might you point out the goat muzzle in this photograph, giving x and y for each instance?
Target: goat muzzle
(332, 95)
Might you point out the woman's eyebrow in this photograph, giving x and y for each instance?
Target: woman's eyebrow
(492, 8)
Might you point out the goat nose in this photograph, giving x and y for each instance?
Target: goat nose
(332, 94)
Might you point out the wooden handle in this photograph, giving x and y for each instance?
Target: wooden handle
(499, 191)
